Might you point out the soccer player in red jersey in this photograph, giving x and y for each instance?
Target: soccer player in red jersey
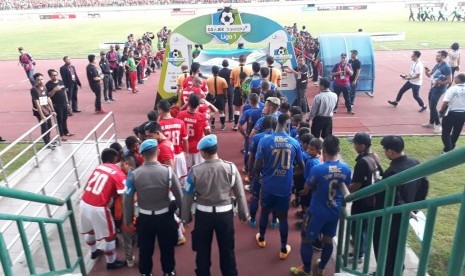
(189, 81)
(175, 130)
(197, 126)
(105, 183)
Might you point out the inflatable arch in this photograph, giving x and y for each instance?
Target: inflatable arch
(227, 26)
(333, 45)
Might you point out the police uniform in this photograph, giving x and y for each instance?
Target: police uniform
(153, 181)
(211, 183)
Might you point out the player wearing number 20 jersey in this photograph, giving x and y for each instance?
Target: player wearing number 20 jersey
(106, 182)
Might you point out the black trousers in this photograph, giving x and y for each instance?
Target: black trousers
(230, 102)
(452, 126)
(97, 89)
(119, 78)
(44, 128)
(302, 99)
(128, 79)
(114, 75)
(222, 225)
(164, 228)
(345, 90)
(322, 126)
(392, 243)
(72, 96)
(62, 118)
(108, 87)
(416, 92)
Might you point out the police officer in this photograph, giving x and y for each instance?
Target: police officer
(155, 185)
(211, 183)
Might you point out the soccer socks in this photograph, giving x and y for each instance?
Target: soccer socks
(263, 222)
(325, 255)
(283, 231)
(253, 206)
(222, 119)
(110, 252)
(90, 240)
(212, 121)
(237, 114)
(306, 253)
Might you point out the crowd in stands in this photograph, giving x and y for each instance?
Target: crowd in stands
(43, 4)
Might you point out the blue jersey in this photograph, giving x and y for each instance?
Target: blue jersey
(309, 164)
(293, 132)
(278, 153)
(258, 125)
(247, 106)
(255, 139)
(251, 116)
(324, 180)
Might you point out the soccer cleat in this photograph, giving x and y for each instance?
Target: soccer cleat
(96, 253)
(182, 241)
(427, 125)
(283, 255)
(299, 271)
(116, 265)
(274, 223)
(393, 103)
(251, 222)
(235, 128)
(423, 109)
(130, 262)
(223, 127)
(261, 244)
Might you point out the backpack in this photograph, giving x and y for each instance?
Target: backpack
(245, 87)
(376, 176)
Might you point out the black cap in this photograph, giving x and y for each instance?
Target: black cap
(20, 48)
(361, 138)
(354, 51)
(343, 55)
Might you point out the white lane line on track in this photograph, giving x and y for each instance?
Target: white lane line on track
(24, 80)
(11, 85)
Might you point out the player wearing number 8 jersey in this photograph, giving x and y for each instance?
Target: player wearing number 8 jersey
(104, 184)
(325, 181)
(197, 126)
(274, 158)
(175, 130)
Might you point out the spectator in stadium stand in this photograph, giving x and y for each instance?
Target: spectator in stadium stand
(275, 74)
(42, 107)
(341, 84)
(28, 63)
(94, 76)
(218, 89)
(112, 58)
(356, 68)
(71, 80)
(107, 78)
(454, 58)
(225, 73)
(56, 90)
(235, 79)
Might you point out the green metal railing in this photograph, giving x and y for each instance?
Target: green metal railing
(388, 185)
(42, 222)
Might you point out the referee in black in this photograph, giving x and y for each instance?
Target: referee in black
(211, 182)
(154, 184)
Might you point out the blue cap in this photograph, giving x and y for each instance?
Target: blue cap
(207, 141)
(148, 144)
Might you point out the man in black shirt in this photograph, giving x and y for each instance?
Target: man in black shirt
(225, 73)
(71, 82)
(413, 191)
(94, 76)
(356, 68)
(367, 170)
(42, 107)
(107, 78)
(301, 73)
(56, 90)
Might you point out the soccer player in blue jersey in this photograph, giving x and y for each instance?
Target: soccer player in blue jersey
(325, 181)
(269, 124)
(273, 165)
(271, 108)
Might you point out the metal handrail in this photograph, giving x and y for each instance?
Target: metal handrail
(388, 185)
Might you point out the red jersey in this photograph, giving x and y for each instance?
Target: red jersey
(174, 130)
(165, 151)
(174, 111)
(193, 90)
(188, 84)
(196, 123)
(107, 181)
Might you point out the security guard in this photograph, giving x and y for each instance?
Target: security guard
(154, 183)
(211, 183)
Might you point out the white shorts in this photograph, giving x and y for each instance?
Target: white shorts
(194, 159)
(180, 166)
(98, 219)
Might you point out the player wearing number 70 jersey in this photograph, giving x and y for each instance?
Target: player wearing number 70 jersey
(273, 165)
(326, 181)
(105, 183)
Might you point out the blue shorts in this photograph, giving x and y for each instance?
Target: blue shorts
(312, 226)
(275, 203)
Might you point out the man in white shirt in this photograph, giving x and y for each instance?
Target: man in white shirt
(453, 113)
(413, 81)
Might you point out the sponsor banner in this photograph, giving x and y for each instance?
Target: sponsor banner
(57, 16)
(227, 26)
(175, 56)
(421, 5)
(341, 7)
(175, 12)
